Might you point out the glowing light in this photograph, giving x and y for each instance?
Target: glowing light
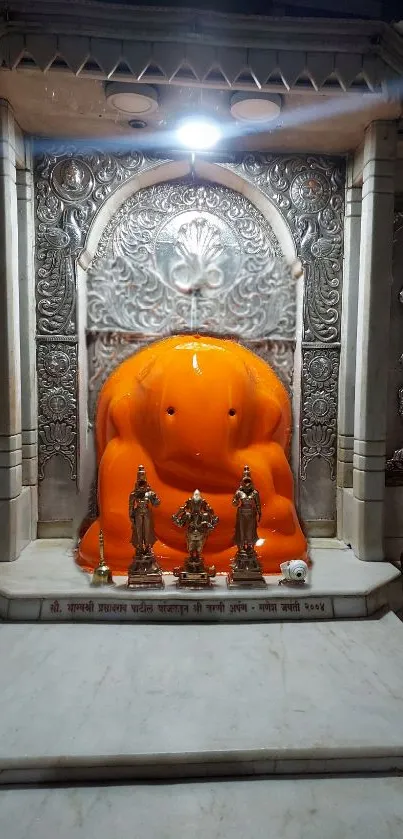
(198, 133)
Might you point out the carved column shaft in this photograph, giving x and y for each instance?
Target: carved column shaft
(372, 340)
(29, 406)
(352, 228)
(10, 373)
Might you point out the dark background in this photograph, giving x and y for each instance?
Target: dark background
(387, 10)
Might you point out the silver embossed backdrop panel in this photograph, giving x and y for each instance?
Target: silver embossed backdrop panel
(179, 256)
(309, 194)
(198, 256)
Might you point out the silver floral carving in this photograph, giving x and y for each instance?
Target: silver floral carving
(56, 403)
(57, 438)
(70, 188)
(186, 256)
(57, 398)
(69, 191)
(308, 192)
(72, 180)
(319, 407)
(394, 469)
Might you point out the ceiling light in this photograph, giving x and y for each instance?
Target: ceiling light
(255, 107)
(198, 133)
(137, 123)
(133, 99)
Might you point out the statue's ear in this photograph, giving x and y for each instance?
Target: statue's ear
(129, 406)
(273, 418)
(119, 394)
(148, 374)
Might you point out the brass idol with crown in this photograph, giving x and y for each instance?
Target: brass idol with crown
(144, 571)
(199, 519)
(246, 571)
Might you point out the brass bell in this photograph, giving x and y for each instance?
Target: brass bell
(102, 575)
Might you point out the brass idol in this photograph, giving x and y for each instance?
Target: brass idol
(144, 571)
(199, 519)
(246, 570)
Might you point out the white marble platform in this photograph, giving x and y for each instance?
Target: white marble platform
(45, 584)
(108, 702)
(325, 808)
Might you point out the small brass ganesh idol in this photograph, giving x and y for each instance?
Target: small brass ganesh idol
(246, 570)
(144, 571)
(199, 519)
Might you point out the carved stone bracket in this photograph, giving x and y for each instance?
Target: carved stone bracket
(319, 407)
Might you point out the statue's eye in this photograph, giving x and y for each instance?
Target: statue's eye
(232, 412)
(170, 411)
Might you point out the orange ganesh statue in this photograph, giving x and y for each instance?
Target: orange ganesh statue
(193, 411)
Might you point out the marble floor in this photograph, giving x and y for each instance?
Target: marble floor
(90, 702)
(320, 808)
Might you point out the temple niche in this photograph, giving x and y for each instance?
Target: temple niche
(208, 250)
(274, 242)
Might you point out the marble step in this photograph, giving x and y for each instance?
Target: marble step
(44, 584)
(85, 702)
(307, 808)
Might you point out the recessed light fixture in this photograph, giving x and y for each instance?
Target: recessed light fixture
(255, 107)
(134, 99)
(137, 123)
(198, 132)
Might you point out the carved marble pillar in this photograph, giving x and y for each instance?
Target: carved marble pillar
(29, 407)
(372, 340)
(10, 371)
(351, 266)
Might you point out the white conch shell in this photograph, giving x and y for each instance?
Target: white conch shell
(295, 570)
